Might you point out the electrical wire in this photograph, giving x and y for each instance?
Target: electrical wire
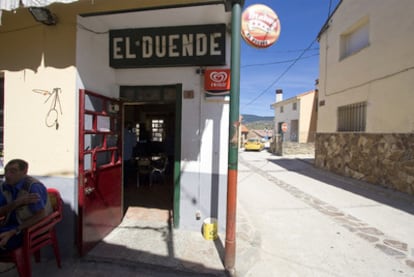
(282, 74)
(279, 62)
(289, 67)
(20, 29)
(295, 50)
(91, 31)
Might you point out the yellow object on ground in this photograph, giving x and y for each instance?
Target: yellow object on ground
(210, 229)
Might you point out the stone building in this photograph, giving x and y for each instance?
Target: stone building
(365, 117)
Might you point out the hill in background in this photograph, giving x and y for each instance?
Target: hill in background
(248, 118)
(256, 122)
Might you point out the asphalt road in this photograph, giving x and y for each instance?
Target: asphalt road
(309, 222)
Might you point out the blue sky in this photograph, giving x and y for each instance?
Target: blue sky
(262, 70)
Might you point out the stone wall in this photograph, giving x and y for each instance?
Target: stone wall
(281, 148)
(381, 159)
(276, 146)
(296, 148)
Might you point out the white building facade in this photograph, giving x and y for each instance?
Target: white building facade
(68, 89)
(298, 113)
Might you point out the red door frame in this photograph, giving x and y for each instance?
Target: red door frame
(100, 169)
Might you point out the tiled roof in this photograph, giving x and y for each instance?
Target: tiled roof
(244, 129)
(263, 133)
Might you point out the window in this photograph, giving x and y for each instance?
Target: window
(352, 118)
(294, 106)
(157, 130)
(281, 109)
(136, 130)
(1, 114)
(355, 39)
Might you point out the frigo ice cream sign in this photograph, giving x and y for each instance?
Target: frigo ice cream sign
(217, 81)
(195, 45)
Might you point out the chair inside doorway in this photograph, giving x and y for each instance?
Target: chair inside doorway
(153, 121)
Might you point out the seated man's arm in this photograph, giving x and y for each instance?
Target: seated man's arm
(36, 201)
(5, 236)
(6, 208)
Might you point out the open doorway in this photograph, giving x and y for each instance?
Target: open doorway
(150, 116)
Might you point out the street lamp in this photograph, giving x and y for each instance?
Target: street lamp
(43, 15)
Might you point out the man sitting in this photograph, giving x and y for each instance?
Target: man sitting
(23, 202)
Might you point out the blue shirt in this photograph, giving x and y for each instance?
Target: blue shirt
(34, 188)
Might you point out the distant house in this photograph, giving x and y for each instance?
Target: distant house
(261, 134)
(365, 116)
(299, 113)
(244, 132)
(264, 135)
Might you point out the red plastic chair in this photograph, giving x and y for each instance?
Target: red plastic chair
(36, 237)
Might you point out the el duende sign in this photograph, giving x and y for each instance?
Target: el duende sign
(200, 45)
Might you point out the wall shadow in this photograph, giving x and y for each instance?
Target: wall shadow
(155, 244)
(383, 195)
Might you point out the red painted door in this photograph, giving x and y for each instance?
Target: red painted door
(100, 168)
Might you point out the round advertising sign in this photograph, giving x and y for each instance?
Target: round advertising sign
(260, 26)
(284, 127)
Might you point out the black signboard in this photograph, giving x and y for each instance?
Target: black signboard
(199, 45)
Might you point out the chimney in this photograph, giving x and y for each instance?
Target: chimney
(279, 95)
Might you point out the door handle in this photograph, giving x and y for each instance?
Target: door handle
(89, 190)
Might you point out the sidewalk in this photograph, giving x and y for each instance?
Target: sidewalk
(145, 247)
(315, 224)
(142, 248)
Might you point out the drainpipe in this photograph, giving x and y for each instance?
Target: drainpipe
(234, 122)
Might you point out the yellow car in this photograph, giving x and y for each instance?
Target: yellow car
(254, 144)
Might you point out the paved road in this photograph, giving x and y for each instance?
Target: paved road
(308, 222)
